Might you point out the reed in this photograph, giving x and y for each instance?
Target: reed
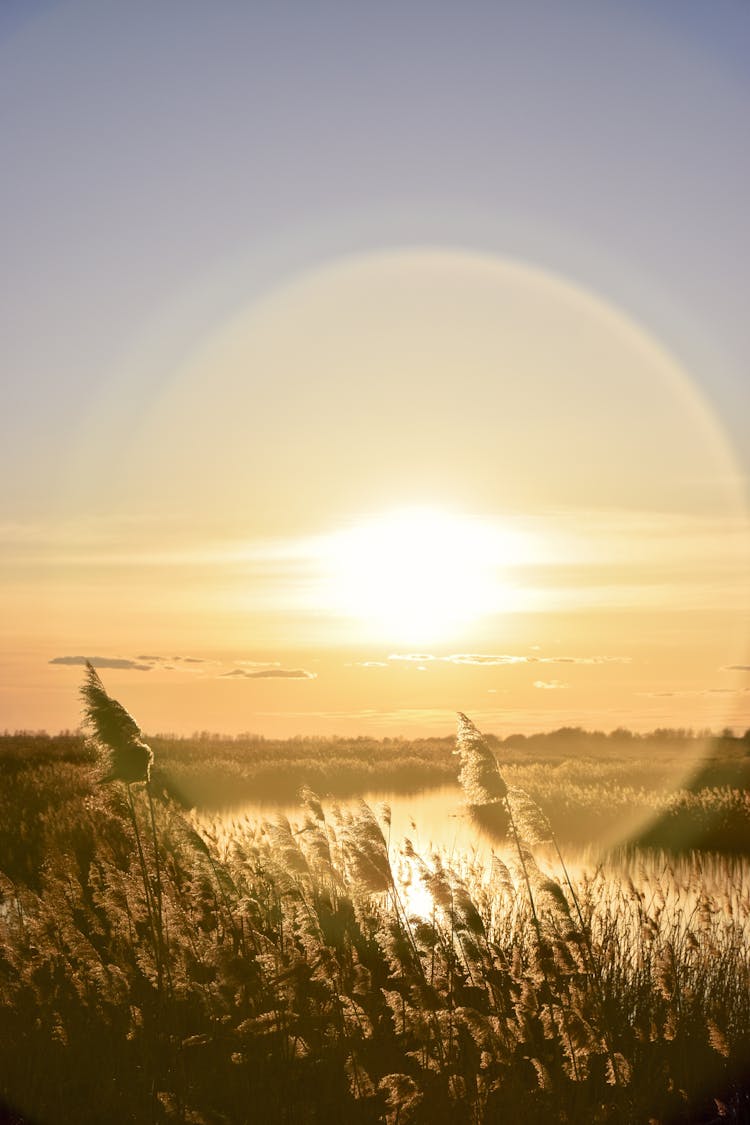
(314, 970)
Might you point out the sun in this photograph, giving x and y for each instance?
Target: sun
(420, 575)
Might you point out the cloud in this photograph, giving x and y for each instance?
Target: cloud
(460, 658)
(372, 664)
(170, 663)
(103, 662)
(270, 674)
(550, 685)
(579, 659)
(482, 659)
(684, 693)
(736, 668)
(166, 661)
(192, 665)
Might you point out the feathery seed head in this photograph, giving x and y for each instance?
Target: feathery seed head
(366, 851)
(531, 823)
(478, 774)
(116, 732)
(312, 802)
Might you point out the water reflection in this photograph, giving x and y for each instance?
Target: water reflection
(431, 818)
(437, 820)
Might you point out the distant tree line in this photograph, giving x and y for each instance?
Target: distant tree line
(72, 745)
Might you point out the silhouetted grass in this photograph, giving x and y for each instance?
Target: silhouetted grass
(312, 971)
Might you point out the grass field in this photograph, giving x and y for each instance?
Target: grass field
(175, 966)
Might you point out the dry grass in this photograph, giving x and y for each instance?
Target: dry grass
(312, 970)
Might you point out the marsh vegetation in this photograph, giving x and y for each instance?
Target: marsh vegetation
(167, 965)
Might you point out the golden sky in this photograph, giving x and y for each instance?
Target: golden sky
(365, 363)
(398, 485)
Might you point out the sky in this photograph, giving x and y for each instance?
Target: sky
(365, 363)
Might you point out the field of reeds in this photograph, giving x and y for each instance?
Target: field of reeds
(587, 783)
(158, 965)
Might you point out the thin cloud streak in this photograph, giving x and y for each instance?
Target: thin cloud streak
(120, 663)
(685, 693)
(495, 659)
(142, 663)
(269, 674)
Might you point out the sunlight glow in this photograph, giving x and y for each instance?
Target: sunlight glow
(422, 574)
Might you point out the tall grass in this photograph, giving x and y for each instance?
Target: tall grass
(308, 970)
